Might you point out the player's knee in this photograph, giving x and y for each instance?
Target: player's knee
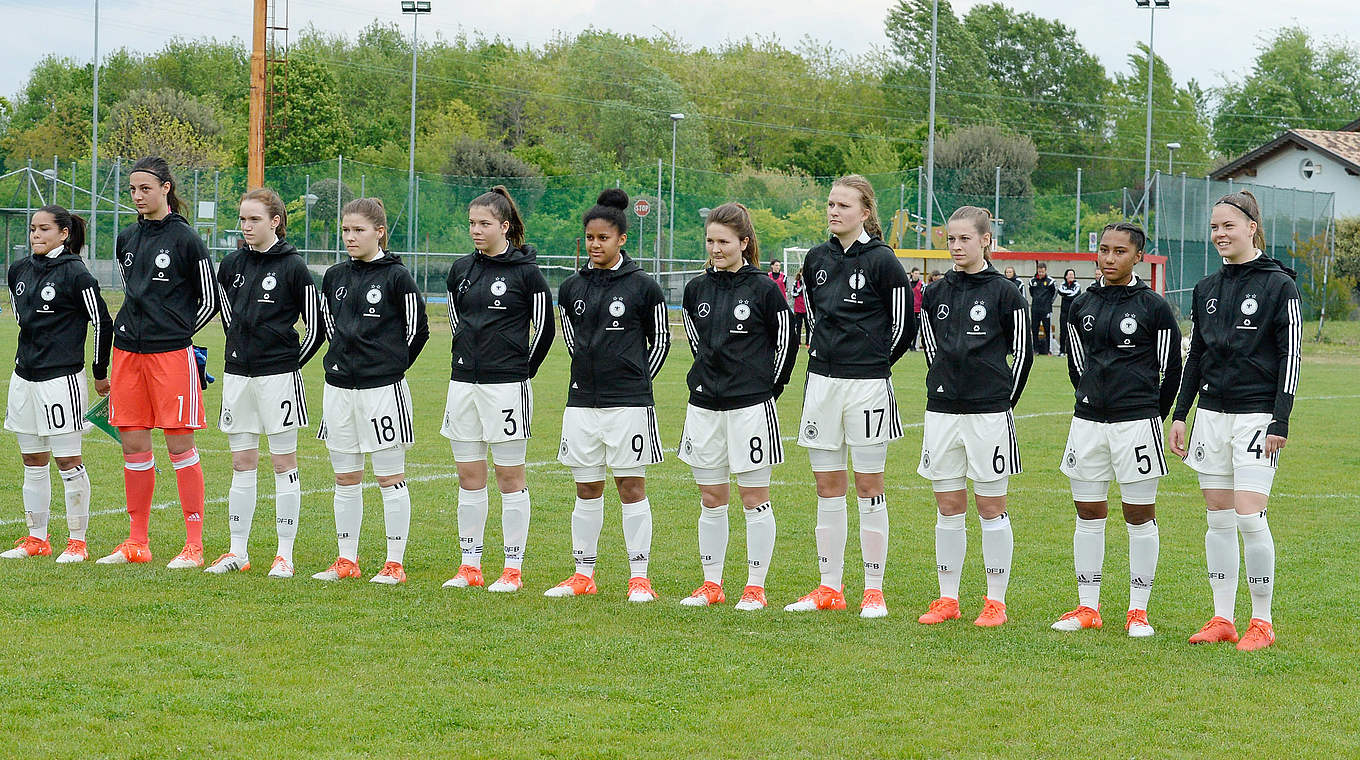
(590, 490)
(632, 489)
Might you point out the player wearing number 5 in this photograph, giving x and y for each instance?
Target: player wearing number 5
(376, 324)
(1244, 366)
(54, 296)
(1125, 364)
(615, 327)
(265, 288)
(500, 312)
(970, 321)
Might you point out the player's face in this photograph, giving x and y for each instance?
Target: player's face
(1117, 257)
(604, 243)
(725, 248)
(149, 194)
(966, 245)
(43, 233)
(845, 213)
(361, 237)
(488, 233)
(257, 226)
(1232, 231)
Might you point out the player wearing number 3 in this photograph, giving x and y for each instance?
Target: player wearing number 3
(376, 325)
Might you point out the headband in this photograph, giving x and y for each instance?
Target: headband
(1239, 207)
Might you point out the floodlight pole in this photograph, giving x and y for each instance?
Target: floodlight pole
(94, 145)
(1152, 6)
(930, 143)
(412, 8)
(675, 128)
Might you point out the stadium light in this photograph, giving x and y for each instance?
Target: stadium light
(414, 9)
(675, 127)
(1152, 6)
(1171, 149)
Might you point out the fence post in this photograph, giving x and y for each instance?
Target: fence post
(1185, 180)
(918, 205)
(117, 194)
(659, 165)
(56, 175)
(73, 184)
(306, 213)
(28, 196)
(1207, 192)
(1076, 233)
(339, 183)
(996, 197)
(217, 200)
(193, 212)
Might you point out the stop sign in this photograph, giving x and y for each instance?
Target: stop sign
(642, 207)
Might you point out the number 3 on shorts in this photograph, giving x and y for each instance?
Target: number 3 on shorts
(510, 426)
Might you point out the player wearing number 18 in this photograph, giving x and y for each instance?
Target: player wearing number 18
(376, 324)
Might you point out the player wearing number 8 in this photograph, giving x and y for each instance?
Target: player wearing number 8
(376, 325)
(970, 321)
(54, 296)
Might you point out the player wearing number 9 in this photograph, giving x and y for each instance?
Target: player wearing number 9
(54, 296)
(376, 325)
(970, 321)
(265, 287)
(1125, 364)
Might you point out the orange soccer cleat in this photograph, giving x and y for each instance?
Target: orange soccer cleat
(1218, 629)
(509, 582)
(466, 577)
(391, 574)
(709, 593)
(76, 551)
(579, 584)
(1137, 625)
(821, 598)
(993, 614)
(942, 609)
(189, 557)
(128, 552)
(1080, 619)
(1259, 635)
(752, 598)
(640, 590)
(28, 546)
(873, 605)
(341, 568)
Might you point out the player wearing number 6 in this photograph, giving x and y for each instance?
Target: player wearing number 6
(500, 312)
(740, 330)
(53, 297)
(1244, 366)
(615, 327)
(265, 287)
(1125, 364)
(376, 325)
(970, 321)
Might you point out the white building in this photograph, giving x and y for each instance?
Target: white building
(1306, 159)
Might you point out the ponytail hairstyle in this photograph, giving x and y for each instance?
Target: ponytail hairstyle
(737, 218)
(74, 226)
(273, 206)
(1136, 235)
(981, 220)
(1245, 201)
(160, 169)
(503, 206)
(867, 199)
(610, 206)
(375, 212)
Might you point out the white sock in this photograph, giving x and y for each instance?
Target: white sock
(287, 510)
(832, 528)
(77, 485)
(951, 543)
(998, 546)
(1258, 549)
(760, 534)
(873, 539)
(586, 521)
(1220, 554)
(472, 509)
(713, 531)
(349, 516)
(637, 536)
(241, 510)
(37, 500)
(1144, 541)
(1088, 559)
(515, 526)
(396, 519)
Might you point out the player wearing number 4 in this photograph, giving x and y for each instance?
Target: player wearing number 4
(376, 324)
(54, 296)
(740, 330)
(970, 321)
(1244, 366)
(615, 327)
(265, 287)
(859, 306)
(1125, 364)
(497, 298)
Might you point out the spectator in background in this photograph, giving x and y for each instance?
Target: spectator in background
(777, 274)
(800, 321)
(1041, 292)
(1069, 289)
(1016, 281)
(918, 289)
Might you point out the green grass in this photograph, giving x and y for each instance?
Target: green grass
(144, 662)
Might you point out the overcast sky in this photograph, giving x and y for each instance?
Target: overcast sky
(1207, 40)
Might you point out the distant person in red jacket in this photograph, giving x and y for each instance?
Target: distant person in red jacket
(777, 274)
(918, 290)
(800, 321)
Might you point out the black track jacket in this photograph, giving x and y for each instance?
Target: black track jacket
(168, 288)
(54, 297)
(859, 306)
(494, 304)
(969, 323)
(375, 322)
(263, 294)
(1125, 357)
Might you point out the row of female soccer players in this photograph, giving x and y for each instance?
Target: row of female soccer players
(1125, 367)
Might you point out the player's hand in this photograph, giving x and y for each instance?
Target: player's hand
(1175, 438)
(1274, 443)
(102, 387)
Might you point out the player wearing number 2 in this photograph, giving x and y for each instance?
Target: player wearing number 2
(970, 321)
(1244, 366)
(500, 311)
(1125, 364)
(615, 327)
(376, 325)
(265, 287)
(740, 330)
(54, 297)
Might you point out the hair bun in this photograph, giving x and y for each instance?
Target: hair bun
(613, 198)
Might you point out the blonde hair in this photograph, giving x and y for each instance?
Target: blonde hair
(374, 211)
(737, 218)
(981, 219)
(1245, 201)
(867, 199)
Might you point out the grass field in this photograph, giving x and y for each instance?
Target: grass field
(143, 662)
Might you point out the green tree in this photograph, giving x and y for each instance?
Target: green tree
(164, 123)
(314, 125)
(1180, 114)
(964, 89)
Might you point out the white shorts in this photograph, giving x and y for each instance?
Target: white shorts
(265, 405)
(1125, 452)
(621, 437)
(982, 447)
(48, 407)
(361, 421)
(488, 412)
(840, 411)
(61, 445)
(736, 440)
(1232, 446)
